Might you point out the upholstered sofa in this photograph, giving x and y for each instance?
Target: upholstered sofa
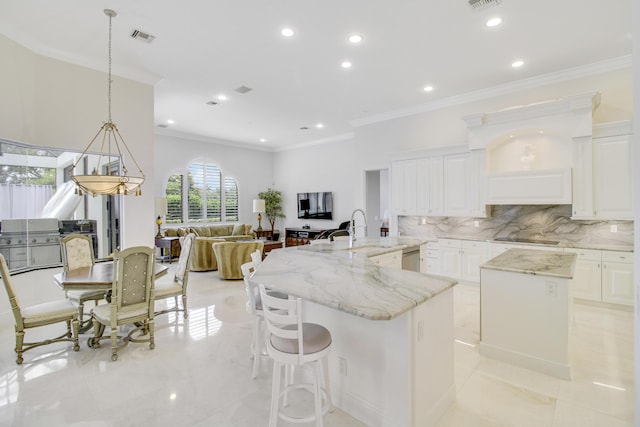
(231, 255)
(202, 256)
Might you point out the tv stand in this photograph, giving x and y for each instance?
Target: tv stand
(300, 236)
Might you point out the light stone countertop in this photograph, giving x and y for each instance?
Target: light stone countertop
(537, 262)
(343, 278)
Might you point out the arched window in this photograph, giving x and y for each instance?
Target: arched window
(207, 199)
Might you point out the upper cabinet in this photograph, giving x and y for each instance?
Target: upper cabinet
(603, 174)
(439, 183)
(403, 187)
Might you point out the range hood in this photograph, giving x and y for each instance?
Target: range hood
(528, 149)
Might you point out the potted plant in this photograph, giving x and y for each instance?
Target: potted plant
(272, 207)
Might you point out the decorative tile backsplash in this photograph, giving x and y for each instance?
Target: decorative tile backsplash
(548, 222)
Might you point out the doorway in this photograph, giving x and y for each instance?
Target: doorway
(377, 200)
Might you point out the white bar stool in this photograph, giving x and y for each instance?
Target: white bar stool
(294, 343)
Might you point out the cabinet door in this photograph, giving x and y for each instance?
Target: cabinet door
(582, 182)
(423, 182)
(403, 184)
(450, 262)
(473, 256)
(617, 277)
(613, 177)
(587, 281)
(617, 283)
(456, 185)
(436, 186)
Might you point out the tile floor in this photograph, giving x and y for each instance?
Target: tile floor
(200, 372)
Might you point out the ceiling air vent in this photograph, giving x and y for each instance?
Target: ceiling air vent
(480, 4)
(212, 103)
(140, 35)
(243, 89)
(163, 126)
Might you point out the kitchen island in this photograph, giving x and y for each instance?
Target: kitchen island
(391, 362)
(525, 309)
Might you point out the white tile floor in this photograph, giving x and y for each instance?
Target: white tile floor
(200, 372)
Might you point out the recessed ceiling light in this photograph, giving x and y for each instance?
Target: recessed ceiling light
(319, 125)
(493, 22)
(517, 64)
(428, 88)
(287, 32)
(346, 64)
(170, 121)
(355, 38)
(263, 140)
(222, 97)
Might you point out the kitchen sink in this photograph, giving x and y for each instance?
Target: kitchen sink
(525, 240)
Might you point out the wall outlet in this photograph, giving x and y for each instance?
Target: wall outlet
(552, 289)
(343, 366)
(476, 223)
(614, 228)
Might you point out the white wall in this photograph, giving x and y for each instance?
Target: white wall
(252, 169)
(56, 104)
(324, 167)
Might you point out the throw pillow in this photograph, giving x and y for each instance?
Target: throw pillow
(182, 231)
(238, 230)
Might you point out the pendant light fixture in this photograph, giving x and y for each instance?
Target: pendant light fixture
(110, 181)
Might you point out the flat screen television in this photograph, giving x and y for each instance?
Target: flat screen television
(315, 205)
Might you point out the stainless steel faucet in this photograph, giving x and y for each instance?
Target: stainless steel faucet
(352, 225)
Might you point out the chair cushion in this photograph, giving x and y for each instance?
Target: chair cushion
(163, 288)
(48, 312)
(84, 295)
(103, 313)
(316, 338)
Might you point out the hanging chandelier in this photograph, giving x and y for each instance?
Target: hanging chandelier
(111, 151)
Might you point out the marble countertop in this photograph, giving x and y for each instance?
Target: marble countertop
(537, 262)
(561, 243)
(342, 277)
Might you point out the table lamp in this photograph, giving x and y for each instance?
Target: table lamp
(258, 207)
(161, 209)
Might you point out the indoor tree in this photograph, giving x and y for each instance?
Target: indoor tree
(272, 206)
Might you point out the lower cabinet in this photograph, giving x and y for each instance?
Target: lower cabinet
(389, 260)
(430, 258)
(603, 276)
(461, 259)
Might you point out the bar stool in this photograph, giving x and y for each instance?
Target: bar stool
(295, 343)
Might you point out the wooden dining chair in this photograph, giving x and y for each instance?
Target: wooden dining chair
(77, 252)
(176, 286)
(131, 300)
(47, 313)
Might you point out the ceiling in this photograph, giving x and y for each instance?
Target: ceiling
(205, 48)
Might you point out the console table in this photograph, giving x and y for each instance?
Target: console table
(300, 236)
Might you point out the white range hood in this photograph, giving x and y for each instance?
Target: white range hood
(528, 149)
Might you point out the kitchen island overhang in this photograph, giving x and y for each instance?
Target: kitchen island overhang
(392, 358)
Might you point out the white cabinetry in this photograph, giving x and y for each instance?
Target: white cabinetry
(457, 195)
(617, 277)
(603, 276)
(403, 184)
(430, 186)
(461, 259)
(613, 177)
(587, 276)
(603, 173)
(389, 260)
(430, 258)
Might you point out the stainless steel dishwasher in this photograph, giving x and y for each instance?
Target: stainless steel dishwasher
(411, 258)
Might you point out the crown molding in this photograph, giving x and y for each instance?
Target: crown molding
(505, 89)
(342, 137)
